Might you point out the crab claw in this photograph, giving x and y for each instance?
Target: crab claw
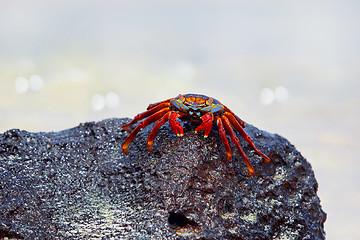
(175, 125)
(206, 125)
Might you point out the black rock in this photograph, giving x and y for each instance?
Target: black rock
(78, 184)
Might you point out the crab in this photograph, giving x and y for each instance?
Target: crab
(198, 108)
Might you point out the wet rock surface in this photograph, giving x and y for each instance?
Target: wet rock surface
(77, 184)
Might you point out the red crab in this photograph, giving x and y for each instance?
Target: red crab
(193, 107)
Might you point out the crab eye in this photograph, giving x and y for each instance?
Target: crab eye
(209, 101)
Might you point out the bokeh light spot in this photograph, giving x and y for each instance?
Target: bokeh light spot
(281, 94)
(21, 85)
(97, 102)
(112, 100)
(36, 82)
(266, 96)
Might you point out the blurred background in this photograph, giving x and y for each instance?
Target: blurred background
(287, 67)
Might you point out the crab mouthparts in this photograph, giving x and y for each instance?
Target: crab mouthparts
(194, 113)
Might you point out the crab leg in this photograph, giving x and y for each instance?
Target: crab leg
(247, 138)
(175, 125)
(224, 138)
(154, 117)
(237, 144)
(158, 103)
(143, 115)
(153, 132)
(206, 125)
(231, 115)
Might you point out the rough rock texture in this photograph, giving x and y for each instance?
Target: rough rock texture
(77, 184)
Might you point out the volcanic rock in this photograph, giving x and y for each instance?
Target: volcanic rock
(78, 184)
